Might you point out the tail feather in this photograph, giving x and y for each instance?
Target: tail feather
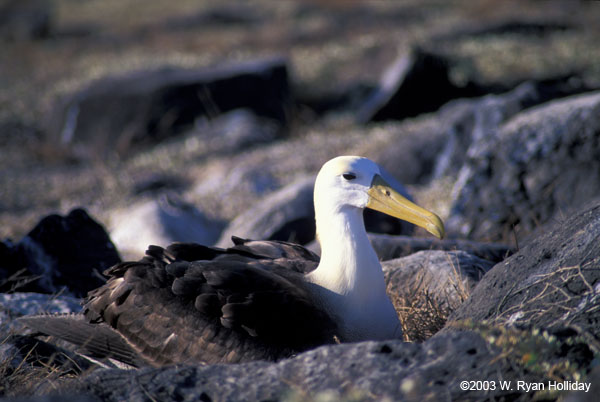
(98, 339)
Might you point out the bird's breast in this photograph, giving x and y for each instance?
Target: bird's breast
(359, 319)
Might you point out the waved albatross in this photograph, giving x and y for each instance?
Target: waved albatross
(268, 300)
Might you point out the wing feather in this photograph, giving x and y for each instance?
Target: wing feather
(192, 303)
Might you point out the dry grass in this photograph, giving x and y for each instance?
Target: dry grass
(422, 318)
(422, 314)
(23, 371)
(17, 280)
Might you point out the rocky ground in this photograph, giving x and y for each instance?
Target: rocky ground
(171, 121)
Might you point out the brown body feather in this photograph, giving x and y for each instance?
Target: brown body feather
(192, 303)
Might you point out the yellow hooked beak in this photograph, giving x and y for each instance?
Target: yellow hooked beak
(383, 198)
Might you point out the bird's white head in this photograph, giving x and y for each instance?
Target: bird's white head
(357, 183)
(344, 182)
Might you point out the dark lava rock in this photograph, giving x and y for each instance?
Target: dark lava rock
(411, 155)
(441, 274)
(152, 183)
(219, 15)
(18, 304)
(540, 165)
(14, 305)
(437, 146)
(506, 26)
(431, 75)
(592, 395)
(25, 19)
(416, 83)
(389, 247)
(364, 371)
(13, 273)
(553, 281)
(62, 252)
(320, 101)
(235, 131)
(52, 398)
(473, 120)
(114, 113)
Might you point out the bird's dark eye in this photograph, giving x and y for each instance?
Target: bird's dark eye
(349, 176)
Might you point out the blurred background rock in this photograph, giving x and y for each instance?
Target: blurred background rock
(113, 104)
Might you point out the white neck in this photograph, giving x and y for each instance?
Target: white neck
(349, 265)
(349, 275)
